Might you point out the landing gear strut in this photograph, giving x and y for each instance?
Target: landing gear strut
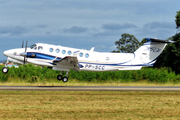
(5, 69)
(64, 79)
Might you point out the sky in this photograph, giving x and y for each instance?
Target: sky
(84, 24)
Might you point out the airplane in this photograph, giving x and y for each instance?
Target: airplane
(63, 58)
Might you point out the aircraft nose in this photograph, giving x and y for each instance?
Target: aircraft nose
(9, 53)
(6, 53)
(13, 52)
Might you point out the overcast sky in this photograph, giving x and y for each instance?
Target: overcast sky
(84, 23)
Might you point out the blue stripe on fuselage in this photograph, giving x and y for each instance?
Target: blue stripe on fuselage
(50, 57)
(44, 56)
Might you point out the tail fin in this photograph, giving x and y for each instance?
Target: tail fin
(148, 53)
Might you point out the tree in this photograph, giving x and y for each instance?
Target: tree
(177, 19)
(143, 41)
(171, 54)
(170, 57)
(127, 44)
(114, 51)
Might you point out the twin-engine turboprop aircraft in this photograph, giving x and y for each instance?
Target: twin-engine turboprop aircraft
(66, 58)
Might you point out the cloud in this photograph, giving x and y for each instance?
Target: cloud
(158, 29)
(159, 25)
(41, 26)
(16, 30)
(113, 26)
(113, 29)
(76, 30)
(106, 33)
(48, 33)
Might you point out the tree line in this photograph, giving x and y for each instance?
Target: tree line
(33, 74)
(170, 57)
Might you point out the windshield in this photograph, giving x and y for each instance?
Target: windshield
(32, 46)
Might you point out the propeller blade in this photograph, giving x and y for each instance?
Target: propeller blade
(25, 52)
(24, 60)
(26, 45)
(23, 44)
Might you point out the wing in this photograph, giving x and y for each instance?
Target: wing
(68, 62)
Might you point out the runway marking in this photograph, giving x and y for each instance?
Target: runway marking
(93, 88)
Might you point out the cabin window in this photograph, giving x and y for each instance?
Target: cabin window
(51, 49)
(69, 52)
(86, 55)
(63, 52)
(80, 54)
(57, 50)
(40, 48)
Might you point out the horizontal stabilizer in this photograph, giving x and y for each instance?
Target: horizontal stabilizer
(158, 40)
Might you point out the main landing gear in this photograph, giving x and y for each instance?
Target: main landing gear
(64, 79)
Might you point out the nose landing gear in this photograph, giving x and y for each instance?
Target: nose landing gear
(5, 69)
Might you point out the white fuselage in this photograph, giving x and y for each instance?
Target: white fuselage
(88, 59)
(66, 58)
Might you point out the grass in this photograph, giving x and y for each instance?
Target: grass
(80, 105)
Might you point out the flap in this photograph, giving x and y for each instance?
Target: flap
(70, 62)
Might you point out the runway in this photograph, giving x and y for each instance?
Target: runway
(92, 88)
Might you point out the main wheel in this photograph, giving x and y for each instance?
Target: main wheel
(59, 77)
(65, 79)
(5, 70)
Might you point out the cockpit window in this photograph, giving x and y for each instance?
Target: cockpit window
(33, 46)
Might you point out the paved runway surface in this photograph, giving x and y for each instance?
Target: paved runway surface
(93, 88)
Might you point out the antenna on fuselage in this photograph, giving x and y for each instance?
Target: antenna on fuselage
(92, 49)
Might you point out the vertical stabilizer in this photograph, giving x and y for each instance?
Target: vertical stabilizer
(148, 53)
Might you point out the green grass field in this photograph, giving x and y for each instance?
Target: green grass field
(81, 105)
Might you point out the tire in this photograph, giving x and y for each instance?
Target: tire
(65, 79)
(59, 77)
(5, 70)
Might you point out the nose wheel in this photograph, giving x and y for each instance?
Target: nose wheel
(5, 70)
(64, 79)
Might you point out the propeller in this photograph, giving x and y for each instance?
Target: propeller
(25, 53)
